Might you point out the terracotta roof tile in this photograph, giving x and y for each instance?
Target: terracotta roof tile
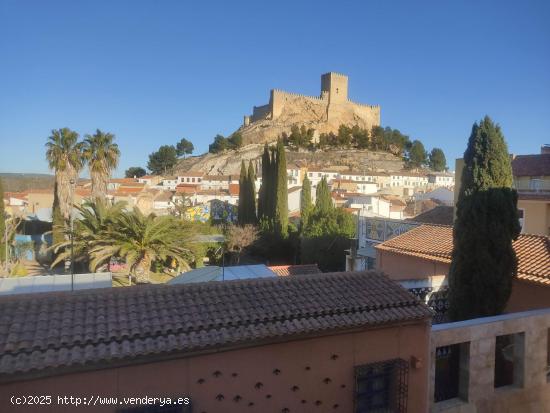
(531, 165)
(295, 269)
(53, 333)
(435, 243)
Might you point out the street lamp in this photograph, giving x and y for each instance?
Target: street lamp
(72, 182)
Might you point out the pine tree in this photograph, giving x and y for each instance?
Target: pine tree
(2, 225)
(323, 203)
(242, 211)
(281, 201)
(483, 261)
(251, 196)
(305, 201)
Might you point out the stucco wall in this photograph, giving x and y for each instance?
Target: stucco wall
(242, 369)
(536, 217)
(525, 296)
(528, 296)
(402, 267)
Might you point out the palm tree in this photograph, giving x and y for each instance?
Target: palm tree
(142, 240)
(102, 156)
(65, 155)
(96, 218)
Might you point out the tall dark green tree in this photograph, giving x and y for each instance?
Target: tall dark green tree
(135, 171)
(437, 161)
(263, 201)
(242, 210)
(163, 160)
(305, 201)
(280, 220)
(323, 203)
(251, 189)
(484, 263)
(417, 154)
(184, 147)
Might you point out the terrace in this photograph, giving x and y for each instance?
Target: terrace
(498, 364)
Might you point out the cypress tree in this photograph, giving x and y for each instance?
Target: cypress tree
(242, 211)
(262, 196)
(323, 203)
(2, 224)
(272, 188)
(251, 189)
(281, 201)
(305, 201)
(483, 261)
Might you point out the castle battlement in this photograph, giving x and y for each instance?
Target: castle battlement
(364, 105)
(298, 95)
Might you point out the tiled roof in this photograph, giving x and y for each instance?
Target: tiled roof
(440, 215)
(435, 243)
(531, 165)
(234, 189)
(295, 269)
(54, 333)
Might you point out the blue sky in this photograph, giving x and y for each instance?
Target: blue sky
(152, 72)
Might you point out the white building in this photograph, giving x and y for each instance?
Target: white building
(377, 206)
(218, 182)
(168, 183)
(315, 176)
(441, 194)
(294, 198)
(190, 177)
(446, 179)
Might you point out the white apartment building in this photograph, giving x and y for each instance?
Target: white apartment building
(446, 179)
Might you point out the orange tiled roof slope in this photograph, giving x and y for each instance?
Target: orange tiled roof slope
(435, 243)
(52, 333)
(284, 270)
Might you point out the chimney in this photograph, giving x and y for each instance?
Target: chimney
(545, 149)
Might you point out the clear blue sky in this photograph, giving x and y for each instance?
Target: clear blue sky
(152, 72)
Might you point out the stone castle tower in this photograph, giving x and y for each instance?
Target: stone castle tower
(324, 113)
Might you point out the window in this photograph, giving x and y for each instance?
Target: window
(509, 351)
(382, 387)
(535, 184)
(451, 372)
(521, 216)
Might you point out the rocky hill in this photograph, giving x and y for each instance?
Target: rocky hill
(15, 182)
(229, 162)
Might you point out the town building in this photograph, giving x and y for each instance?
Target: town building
(320, 342)
(532, 181)
(421, 257)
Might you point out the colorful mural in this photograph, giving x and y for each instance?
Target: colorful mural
(216, 210)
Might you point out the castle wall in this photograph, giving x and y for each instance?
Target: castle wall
(260, 112)
(281, 99)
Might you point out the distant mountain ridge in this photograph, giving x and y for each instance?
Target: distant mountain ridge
(17, 182)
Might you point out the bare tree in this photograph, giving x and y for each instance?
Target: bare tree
(239, 238)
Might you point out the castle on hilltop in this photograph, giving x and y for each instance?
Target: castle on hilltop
(324, 113)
